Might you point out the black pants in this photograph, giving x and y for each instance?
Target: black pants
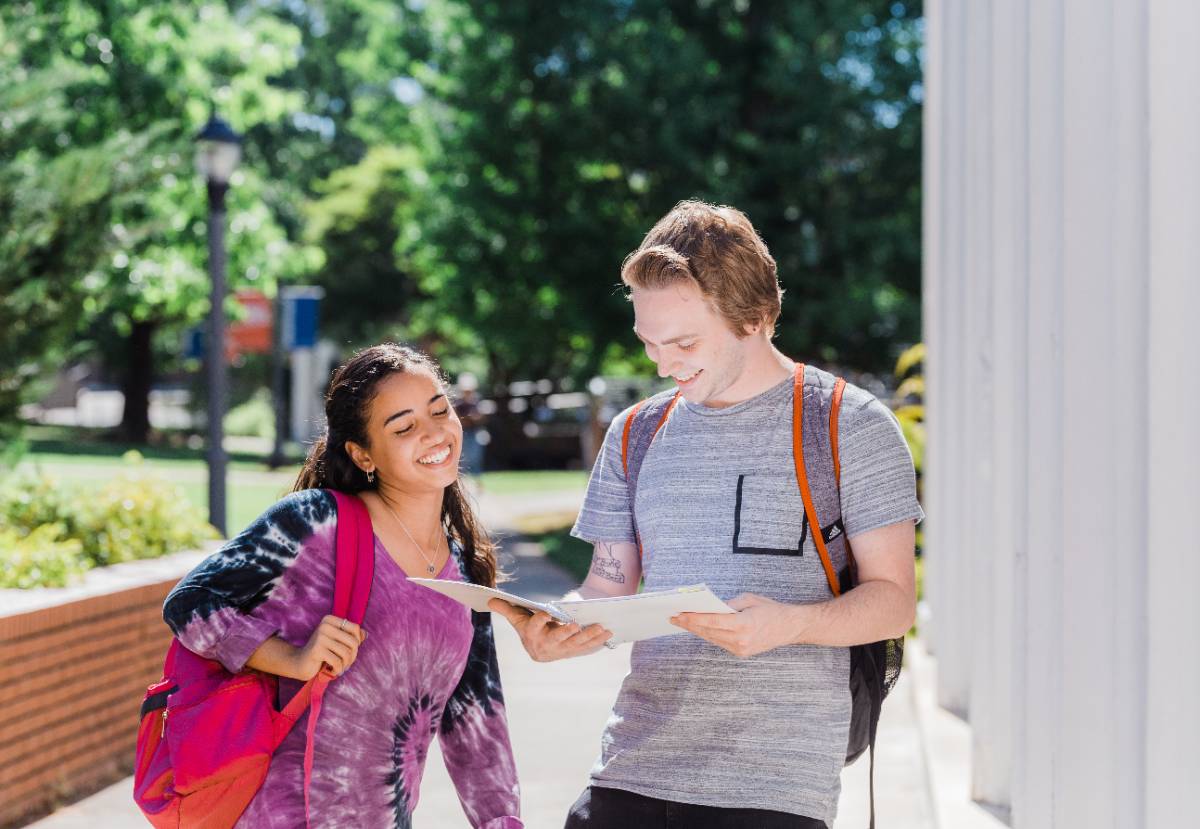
(599, 808)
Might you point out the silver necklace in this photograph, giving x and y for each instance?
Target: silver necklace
(428, 561)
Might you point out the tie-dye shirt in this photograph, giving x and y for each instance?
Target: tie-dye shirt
(427, 667)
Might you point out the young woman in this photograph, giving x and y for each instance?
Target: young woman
(421, 664)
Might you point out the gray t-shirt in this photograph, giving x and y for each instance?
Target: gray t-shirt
(693, 723)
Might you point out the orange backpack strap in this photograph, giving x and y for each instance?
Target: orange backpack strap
(625, 438)
(810, 509)
(625, 433)
(642, 447)
(667, 413)
(835, 408)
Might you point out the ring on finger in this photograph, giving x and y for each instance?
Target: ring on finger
(342, 626)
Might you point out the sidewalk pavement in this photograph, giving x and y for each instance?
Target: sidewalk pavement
(557, 711)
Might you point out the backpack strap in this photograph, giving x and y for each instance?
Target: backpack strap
(351, 588)
(641, 426)
(810, 509)
(354, 571)
(835, 407)
(639, 448)
(625, 437)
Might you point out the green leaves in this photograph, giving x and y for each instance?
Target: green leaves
(51, 532)
(465, 173)
(561, 137)
(105, 216)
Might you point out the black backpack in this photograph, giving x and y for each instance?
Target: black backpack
(874, 667)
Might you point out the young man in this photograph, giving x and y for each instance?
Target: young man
(744, 723)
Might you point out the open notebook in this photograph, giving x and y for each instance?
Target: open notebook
(630, 618)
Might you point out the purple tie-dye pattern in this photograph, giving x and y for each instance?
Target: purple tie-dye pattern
(427, 667)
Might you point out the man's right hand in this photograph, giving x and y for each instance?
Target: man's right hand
(546, 640)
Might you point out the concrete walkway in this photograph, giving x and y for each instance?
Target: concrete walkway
(558, 710)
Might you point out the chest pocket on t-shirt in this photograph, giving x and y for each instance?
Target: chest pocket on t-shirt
(768, 517)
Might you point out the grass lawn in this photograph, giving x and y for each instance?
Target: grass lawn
(251, 486)
(533, 481)
(243, 501)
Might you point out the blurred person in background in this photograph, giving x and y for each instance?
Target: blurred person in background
(475, 434)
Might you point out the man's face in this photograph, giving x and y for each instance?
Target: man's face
(688, 340)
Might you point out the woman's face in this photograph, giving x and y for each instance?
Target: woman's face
(415, 436)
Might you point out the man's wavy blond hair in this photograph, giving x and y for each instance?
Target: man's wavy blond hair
(716, 248)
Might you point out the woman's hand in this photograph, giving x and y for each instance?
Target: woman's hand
(334, 644)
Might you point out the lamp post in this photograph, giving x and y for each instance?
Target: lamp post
(218, 150)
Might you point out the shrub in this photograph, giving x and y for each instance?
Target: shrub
(908, 403)
(139, 514)
(254, 418)
(135, 514)
(41, 558)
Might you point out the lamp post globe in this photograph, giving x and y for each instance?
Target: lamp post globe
(218, 151)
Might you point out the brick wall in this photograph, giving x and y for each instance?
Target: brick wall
(73, 679)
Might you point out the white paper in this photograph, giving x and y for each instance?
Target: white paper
(644, 615)
(630, 618)
(476, 596)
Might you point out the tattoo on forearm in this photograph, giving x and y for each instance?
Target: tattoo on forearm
(606, 566)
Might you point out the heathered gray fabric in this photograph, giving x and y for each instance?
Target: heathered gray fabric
(693, 723)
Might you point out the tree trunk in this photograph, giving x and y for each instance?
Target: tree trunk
(139, 375)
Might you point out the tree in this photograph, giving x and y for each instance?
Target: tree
(563, 132)
(58, 207)
(357, 220)
(154, 69)
(357, 159)
(465, 173)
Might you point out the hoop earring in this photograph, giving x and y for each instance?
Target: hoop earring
(371, 477)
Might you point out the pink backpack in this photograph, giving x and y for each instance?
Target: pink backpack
(207, 736)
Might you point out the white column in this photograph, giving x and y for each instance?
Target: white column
(1173, 396)
(951, 560)
(979, 496)
(993, 686)
(933, 305)
(1038, 633)
(1083, 795)
(1064, 395)
(1104, 447)
(1127, 492)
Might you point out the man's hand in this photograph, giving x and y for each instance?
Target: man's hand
(546, 640)
(760, 625)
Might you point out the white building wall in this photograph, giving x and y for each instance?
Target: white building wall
(1062, 286)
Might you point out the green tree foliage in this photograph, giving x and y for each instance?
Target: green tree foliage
(358, 218)
(560, 133)
(153, 70)
(354, 152)
(465, 173)
(59, 201)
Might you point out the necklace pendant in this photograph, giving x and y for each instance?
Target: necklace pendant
(431, 570)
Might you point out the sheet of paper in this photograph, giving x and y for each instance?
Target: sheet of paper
(630, 618)
(476, 596)
(644, 615)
